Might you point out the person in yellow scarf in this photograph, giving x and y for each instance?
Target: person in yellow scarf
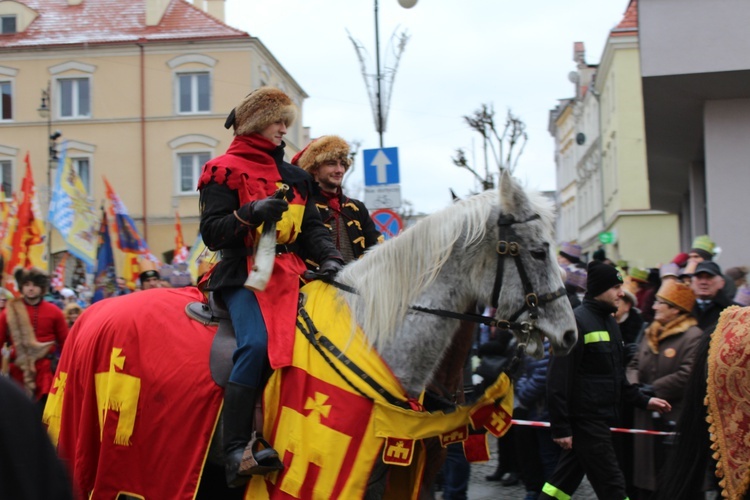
(662, 366)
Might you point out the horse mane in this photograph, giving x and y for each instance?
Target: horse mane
(391, 276)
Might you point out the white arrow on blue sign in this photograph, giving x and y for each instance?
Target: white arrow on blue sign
(381, 166)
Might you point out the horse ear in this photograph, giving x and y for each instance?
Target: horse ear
(513, 198)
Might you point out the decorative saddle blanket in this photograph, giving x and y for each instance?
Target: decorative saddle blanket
(330, 435)
(727, 398)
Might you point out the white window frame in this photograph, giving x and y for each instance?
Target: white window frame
(191, 144)
(197, 166)
(194, 93)
(76, 162)
(11, 167)
(9, 83)
(8, 16)
(192, 65)
(76, 113)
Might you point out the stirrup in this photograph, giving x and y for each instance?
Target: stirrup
(259, 458)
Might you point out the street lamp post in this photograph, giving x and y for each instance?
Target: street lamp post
(45, 111)
(380, 97)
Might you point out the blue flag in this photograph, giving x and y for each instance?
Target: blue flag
(105, 281)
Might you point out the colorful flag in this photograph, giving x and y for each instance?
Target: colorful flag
(71, 212)
(198, 253)
(180, 250)
(58, 277)
(128, 238)
(105, 259)
(130, 269)
(29, 236)
(8, 211)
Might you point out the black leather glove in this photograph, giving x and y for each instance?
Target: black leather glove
(266, 210)
(330, 268)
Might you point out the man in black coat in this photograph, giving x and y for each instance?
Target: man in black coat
(584, 391)
(29, 466)
(352, 229)
(707, 283)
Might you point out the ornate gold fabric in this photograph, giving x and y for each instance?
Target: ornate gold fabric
(728, 400)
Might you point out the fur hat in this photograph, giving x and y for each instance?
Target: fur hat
(677, 294)
(704, 246)
(259, 109)
(34, 275)
(571, 251)
(601, 277)
(321, 150)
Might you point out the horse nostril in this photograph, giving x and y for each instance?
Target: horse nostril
(569, 338)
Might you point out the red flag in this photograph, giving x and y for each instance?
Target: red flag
(29, 229)
(58, 277)
(180, 250)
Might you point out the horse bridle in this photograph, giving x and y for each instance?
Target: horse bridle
(507, 246)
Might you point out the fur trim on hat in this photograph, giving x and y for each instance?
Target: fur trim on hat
(321, 150)
(34, 275)
(261, 108)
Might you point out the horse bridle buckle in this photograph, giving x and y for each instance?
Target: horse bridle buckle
(508, 248)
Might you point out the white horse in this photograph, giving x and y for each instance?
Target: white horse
(406, 295)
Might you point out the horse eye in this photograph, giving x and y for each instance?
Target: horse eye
(539, 254)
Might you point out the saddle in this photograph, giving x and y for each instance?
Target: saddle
(215, 313)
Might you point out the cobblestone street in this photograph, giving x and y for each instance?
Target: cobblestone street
(481, 489)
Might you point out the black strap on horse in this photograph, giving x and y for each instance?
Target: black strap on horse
(310, 331)
(508, 247)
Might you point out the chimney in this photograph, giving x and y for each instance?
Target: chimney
(154, 11)
(215, 8)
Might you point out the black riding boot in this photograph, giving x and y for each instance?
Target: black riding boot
(239, 439)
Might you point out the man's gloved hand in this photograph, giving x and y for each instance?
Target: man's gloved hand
(330, 268)
(266, 210)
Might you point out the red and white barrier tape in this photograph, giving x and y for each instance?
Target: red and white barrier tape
(533, 423)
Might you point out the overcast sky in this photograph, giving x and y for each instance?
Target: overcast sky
(460, 54)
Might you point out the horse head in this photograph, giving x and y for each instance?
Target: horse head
(528, 289)
(485, 249)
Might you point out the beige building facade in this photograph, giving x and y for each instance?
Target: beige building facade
(611, 171)
(139, 90)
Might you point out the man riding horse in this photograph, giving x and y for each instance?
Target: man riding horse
(236, 201)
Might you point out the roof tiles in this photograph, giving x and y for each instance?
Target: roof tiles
(629, 23)
(114, 21)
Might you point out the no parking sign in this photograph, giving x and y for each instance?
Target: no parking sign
(387, 222)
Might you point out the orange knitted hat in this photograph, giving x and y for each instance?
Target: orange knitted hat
(677, 294)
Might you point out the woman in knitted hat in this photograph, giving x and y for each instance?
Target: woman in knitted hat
(236, 200)
(662, 366)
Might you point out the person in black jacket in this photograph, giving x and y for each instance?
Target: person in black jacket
(237, 199)
(352, 229)
(29, 466)
(584, 391)
(707, 283)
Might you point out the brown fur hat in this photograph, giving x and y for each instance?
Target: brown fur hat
(34, 275)
(320, 150)
(261, 108)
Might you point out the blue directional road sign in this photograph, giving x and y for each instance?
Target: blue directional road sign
(387, 222)
(381, 166)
